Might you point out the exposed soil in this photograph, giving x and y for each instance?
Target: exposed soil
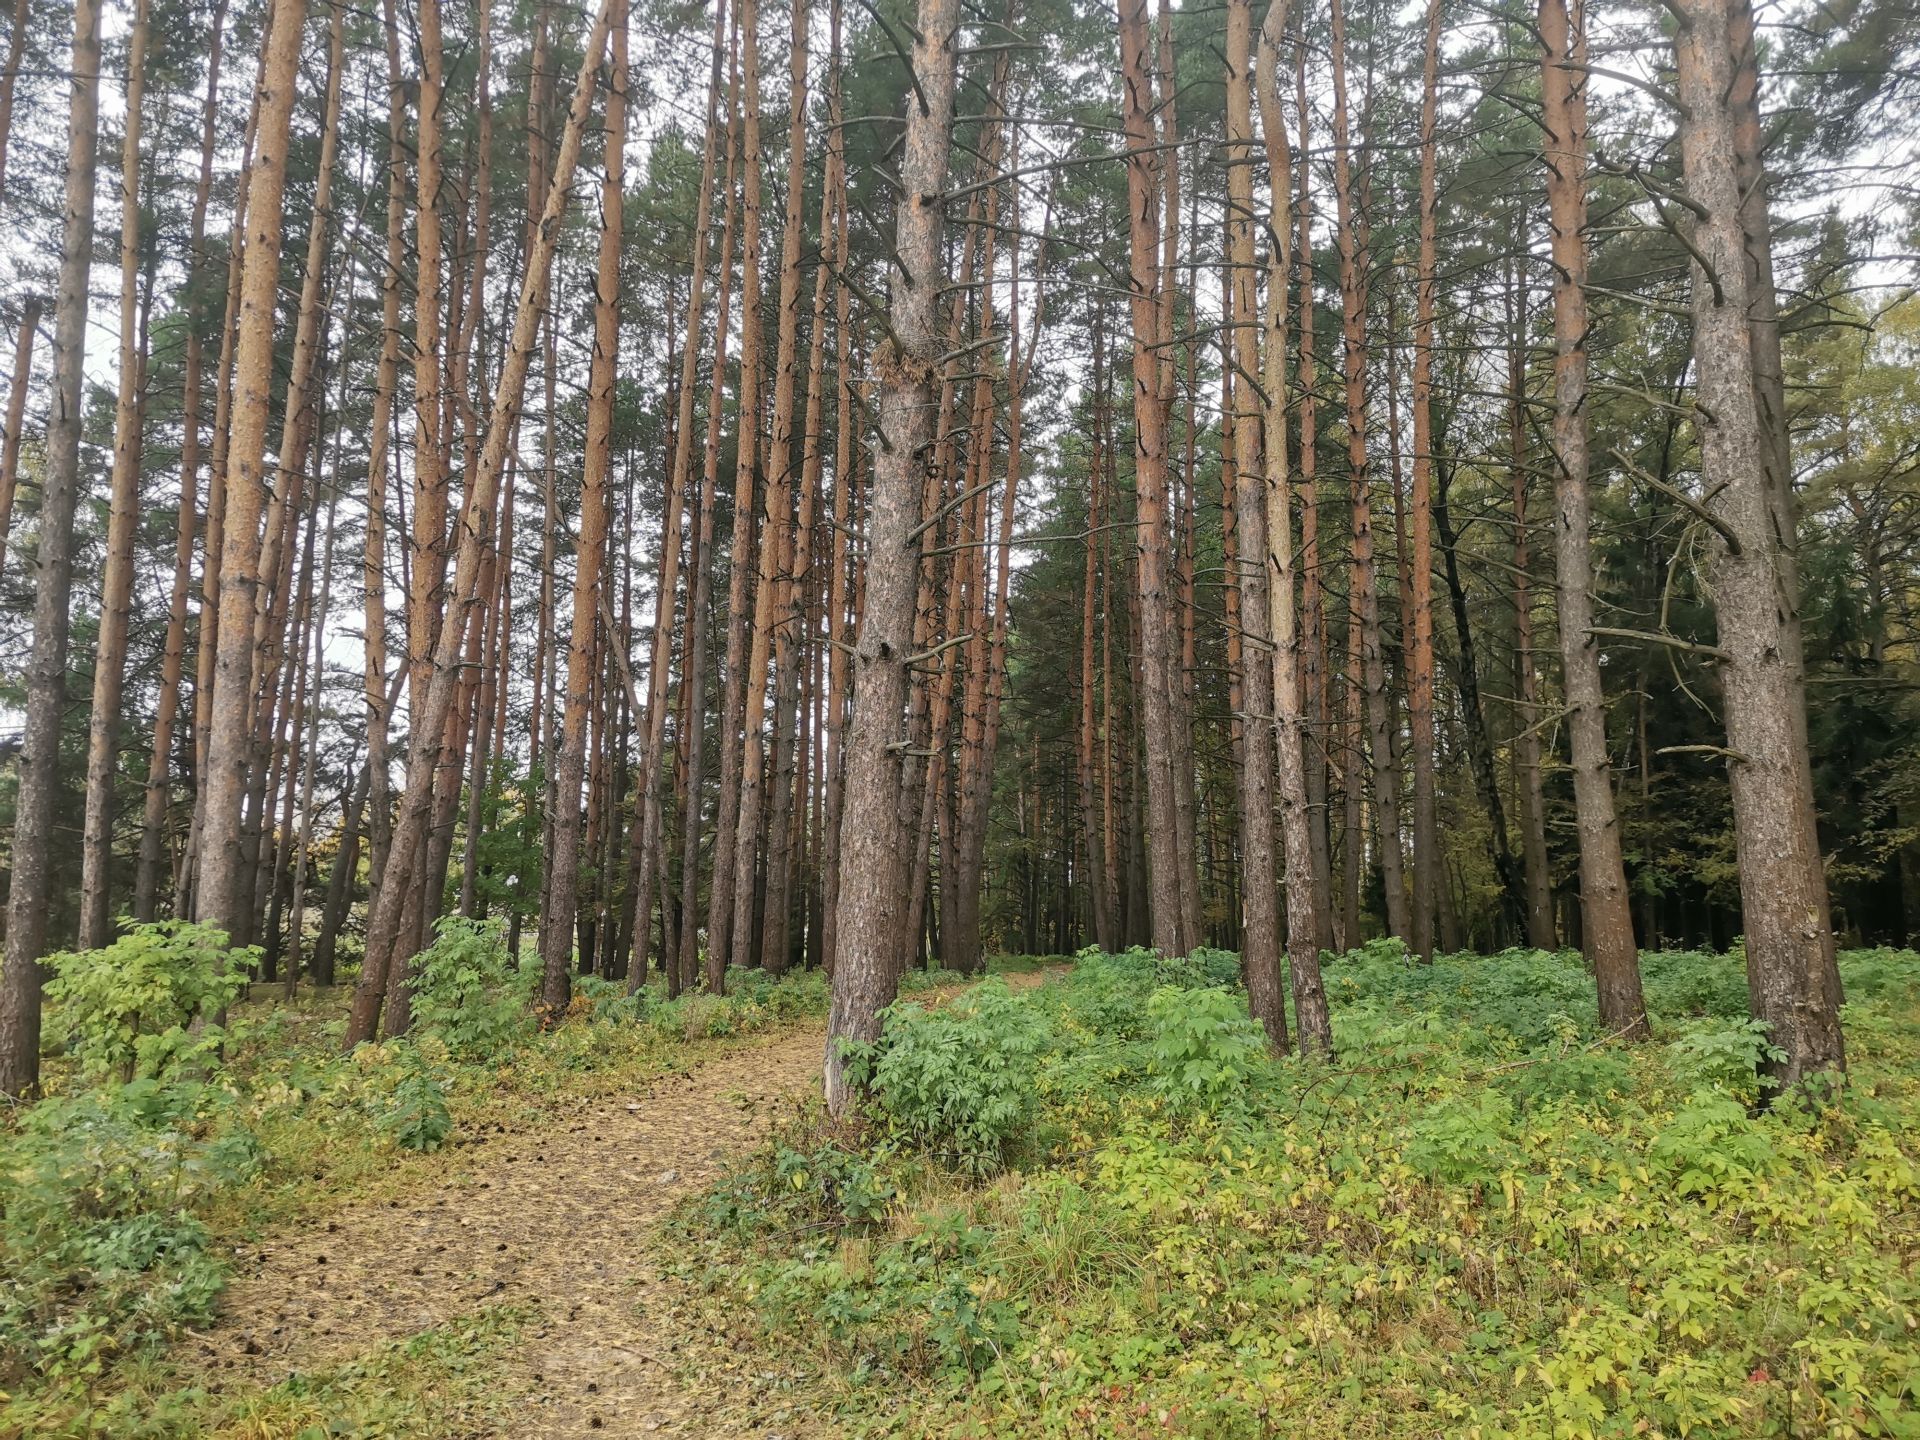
(560, 1222)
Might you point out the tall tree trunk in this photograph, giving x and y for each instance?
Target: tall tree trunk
(793, 579)
(721, 908)
(776, 533)
(838, 631)
(1179, 588)
(646, 794)
(1260, 943)
(1091, 735)
(1526, 744)
(1306, 902)
(693, 675)
(39, 762)
(380, 695)
(1365, 599)
(1769, 379)
(153, 826)
(1606, 928)
(385, 920)
(1168, 868)
(224, 894)
(872, 847)
(213, 545)
(116, 589)
(1792, 983)
(1315, 704)
(1419, 664)
(557, 923)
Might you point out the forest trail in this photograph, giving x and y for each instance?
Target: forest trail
(557, 1224)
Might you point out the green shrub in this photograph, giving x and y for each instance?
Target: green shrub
(958, 1082)
(1204, 1049)
(468, 991)
(98, 1241)
(1722, 1054)
(129, 1010)
(1463, 1139)
(415, 1114)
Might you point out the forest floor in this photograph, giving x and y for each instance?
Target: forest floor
(517, 1290)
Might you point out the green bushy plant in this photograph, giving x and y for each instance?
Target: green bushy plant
(1204, 1047)
(101, 1249)
(1488, 1209)
(129, 1009)
(958, 1081)
(468, 990)
(415, 1113)
(1722, 1054)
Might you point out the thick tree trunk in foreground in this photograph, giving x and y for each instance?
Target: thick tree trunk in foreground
(1783, 894)
(872, 844)
(39, 762)
(1606, 917)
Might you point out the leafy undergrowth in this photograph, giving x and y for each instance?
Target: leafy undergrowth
(164, 1142)
(1098, 1209)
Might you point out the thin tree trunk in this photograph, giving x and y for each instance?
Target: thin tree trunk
(380, 696)
(648, 818)
(1260, 897)
(1316, 707)
(699, 621)
(1167, 867)
(153, 840)
(1354, 262)
(790, 656)
(1606, 929)
(838, 633)
(872, 895)
(1305, 900)
(1091, 735)
(557, 923)
(721, 907)
(39, 760)
(16, 51)
(384, 923)
(17, 415)
(1526, 744)
(116, 589)
(313, 694)
(1419, 664)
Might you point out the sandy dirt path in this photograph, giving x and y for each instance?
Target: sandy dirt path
(562, 1223)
